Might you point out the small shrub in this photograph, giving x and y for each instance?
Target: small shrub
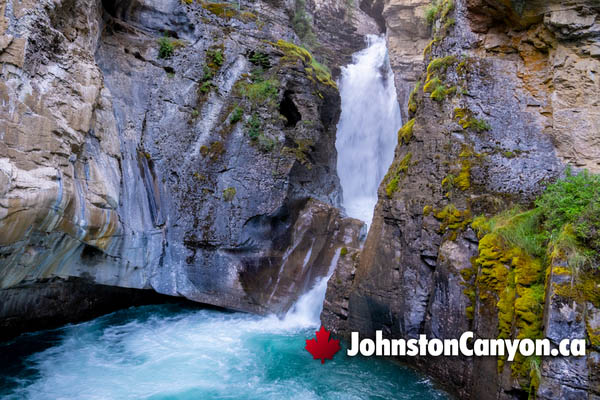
(431, 12)
(216, 56)
(260, 59)
(254, 126)
(166, 47)
(344, 251)
(236, 115)
(205, 87)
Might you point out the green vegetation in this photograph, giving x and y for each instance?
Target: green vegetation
(434, 85)
(214, 61)
(438, 10)
(313, 69)
(465, 119)
(301, 151)
(412, 102)
(437, 89)
(260, 59)
(302, 24)
(396, 173)
(228, 11)
(167, 46)
(254, 126)
(439, 65)
(344, 251)
(261, 91)
(517, 248)
(236, 115)
(453, 220)
(229, 194)
(215, 55)
(405, 133)
(215, 151)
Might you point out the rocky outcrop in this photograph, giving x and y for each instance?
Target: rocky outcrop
(487, 130)
(184, 147)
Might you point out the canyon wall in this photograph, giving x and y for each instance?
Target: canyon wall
(505, 97)
(182, 147)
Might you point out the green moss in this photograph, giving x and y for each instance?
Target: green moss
(439, 65)
(429, 47)
(300, 151)
(222, 10)
(432, 84)
(517, 250)
(412, 102)
(229, 194)
(452, 219)
(405, 133)
(216, 57)
(396, 173)
(314, 70)
(254, 126)
(261, 92)
(465, 119)
(344, 251)
(427, 210)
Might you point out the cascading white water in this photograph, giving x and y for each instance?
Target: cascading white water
(165, 352)
(367, 131)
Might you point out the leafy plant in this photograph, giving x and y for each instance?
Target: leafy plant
(260, 59)
(254, 126)
(167, 46)
(236, 115)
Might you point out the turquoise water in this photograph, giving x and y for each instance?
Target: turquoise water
(177, 352)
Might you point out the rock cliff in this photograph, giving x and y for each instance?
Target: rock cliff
(179, 146)
(505, 97)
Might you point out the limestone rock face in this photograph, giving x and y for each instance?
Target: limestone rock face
(169, 146)
(514, 102)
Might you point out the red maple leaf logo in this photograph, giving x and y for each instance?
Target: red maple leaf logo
(322, 347)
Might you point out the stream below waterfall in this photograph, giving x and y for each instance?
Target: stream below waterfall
(176, 351)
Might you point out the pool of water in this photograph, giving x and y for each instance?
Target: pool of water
(179, 352)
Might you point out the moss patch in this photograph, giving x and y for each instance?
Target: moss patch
(406, 132)
(316, 71)
(396, 173)
(229, 194)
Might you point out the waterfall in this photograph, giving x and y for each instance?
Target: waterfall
(367, 131)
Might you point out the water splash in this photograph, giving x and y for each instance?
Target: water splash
(367, 131)
(169, 352)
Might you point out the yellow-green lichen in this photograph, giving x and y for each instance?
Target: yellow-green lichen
(396, 173)
(406, 132)
(314, 70)
(453, 220)
(412, 102)
(229, 194)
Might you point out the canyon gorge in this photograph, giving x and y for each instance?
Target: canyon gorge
(153, 149)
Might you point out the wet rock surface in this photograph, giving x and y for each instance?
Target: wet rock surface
(184, 148)
(492, 136)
